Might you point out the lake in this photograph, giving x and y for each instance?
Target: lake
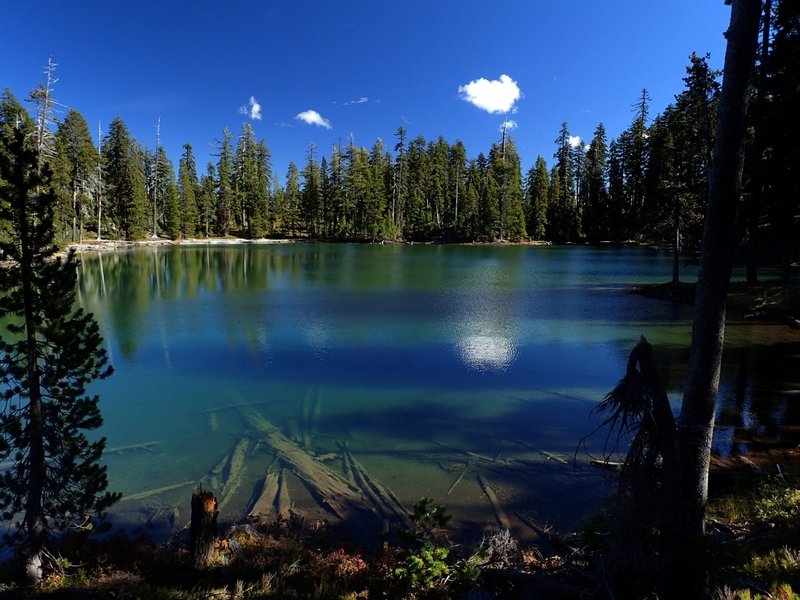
(466, 374)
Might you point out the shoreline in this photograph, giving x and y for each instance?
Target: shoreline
(101, 245)
(106, 244)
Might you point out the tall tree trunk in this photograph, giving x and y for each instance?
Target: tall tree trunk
(34, 518)
(716, 261)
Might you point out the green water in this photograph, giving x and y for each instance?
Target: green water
(424, 361)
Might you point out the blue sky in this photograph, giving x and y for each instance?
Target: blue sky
(363, 67)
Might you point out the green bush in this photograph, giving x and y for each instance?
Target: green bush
(425, 568)
(776, 502)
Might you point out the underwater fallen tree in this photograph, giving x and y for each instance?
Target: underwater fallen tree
(325, 486)
(384, 501)
(235, 471)
(499, 513)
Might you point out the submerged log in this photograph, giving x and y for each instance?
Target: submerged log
(458, 479)
(148, 446)
(326, 486)
(235, 471)
(228, 407)
(265, 503)
(156, 491)
(499, 513)
(284, 502)
(385, 502)
(555, 457)
(203, 530)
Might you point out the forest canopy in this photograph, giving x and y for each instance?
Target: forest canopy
(647, 185)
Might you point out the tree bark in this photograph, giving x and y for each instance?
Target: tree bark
(716, 261)
(34, 517)
(203, 529)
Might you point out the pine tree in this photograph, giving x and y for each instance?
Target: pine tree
(206, 200)
(616, 190)
(262, 199)
(468, 205)
(377, 200)
(78, 159)
(635, 162)
(170, 196)
(536, 199)
(339, 210)
(312, 193)
(781, 132)
(188, 188)
(291, 202)
(457, 176)
(564, 216)
(506, 178)
(224, 178)
(486, 223)
(53, 350)
(693, 131)
(437, 185)
(251, 176)
(125, 181)
(415, 216)
(556, 229)
(326, 209)
(398, 180)
(593, 191)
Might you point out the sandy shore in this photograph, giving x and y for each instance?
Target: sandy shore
(108, 245)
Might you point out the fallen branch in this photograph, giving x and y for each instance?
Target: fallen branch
(235, 471)
(458, 479)
(156, 491)
(264, 504)
(142, 446)
(499, 513)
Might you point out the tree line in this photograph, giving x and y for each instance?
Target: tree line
(647, 185)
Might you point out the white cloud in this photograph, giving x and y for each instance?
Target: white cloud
(509, 124)
(362, 100)
(574, 141)
(312, 117)
(496, 96)
(253, 110)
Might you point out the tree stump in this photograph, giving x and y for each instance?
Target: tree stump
(203, 529)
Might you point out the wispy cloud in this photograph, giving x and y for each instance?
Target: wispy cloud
(508, 125)
(253, 110)
(495, 96)
(361, 100)
(312, 117)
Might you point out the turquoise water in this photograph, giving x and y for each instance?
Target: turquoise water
(422, 362)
